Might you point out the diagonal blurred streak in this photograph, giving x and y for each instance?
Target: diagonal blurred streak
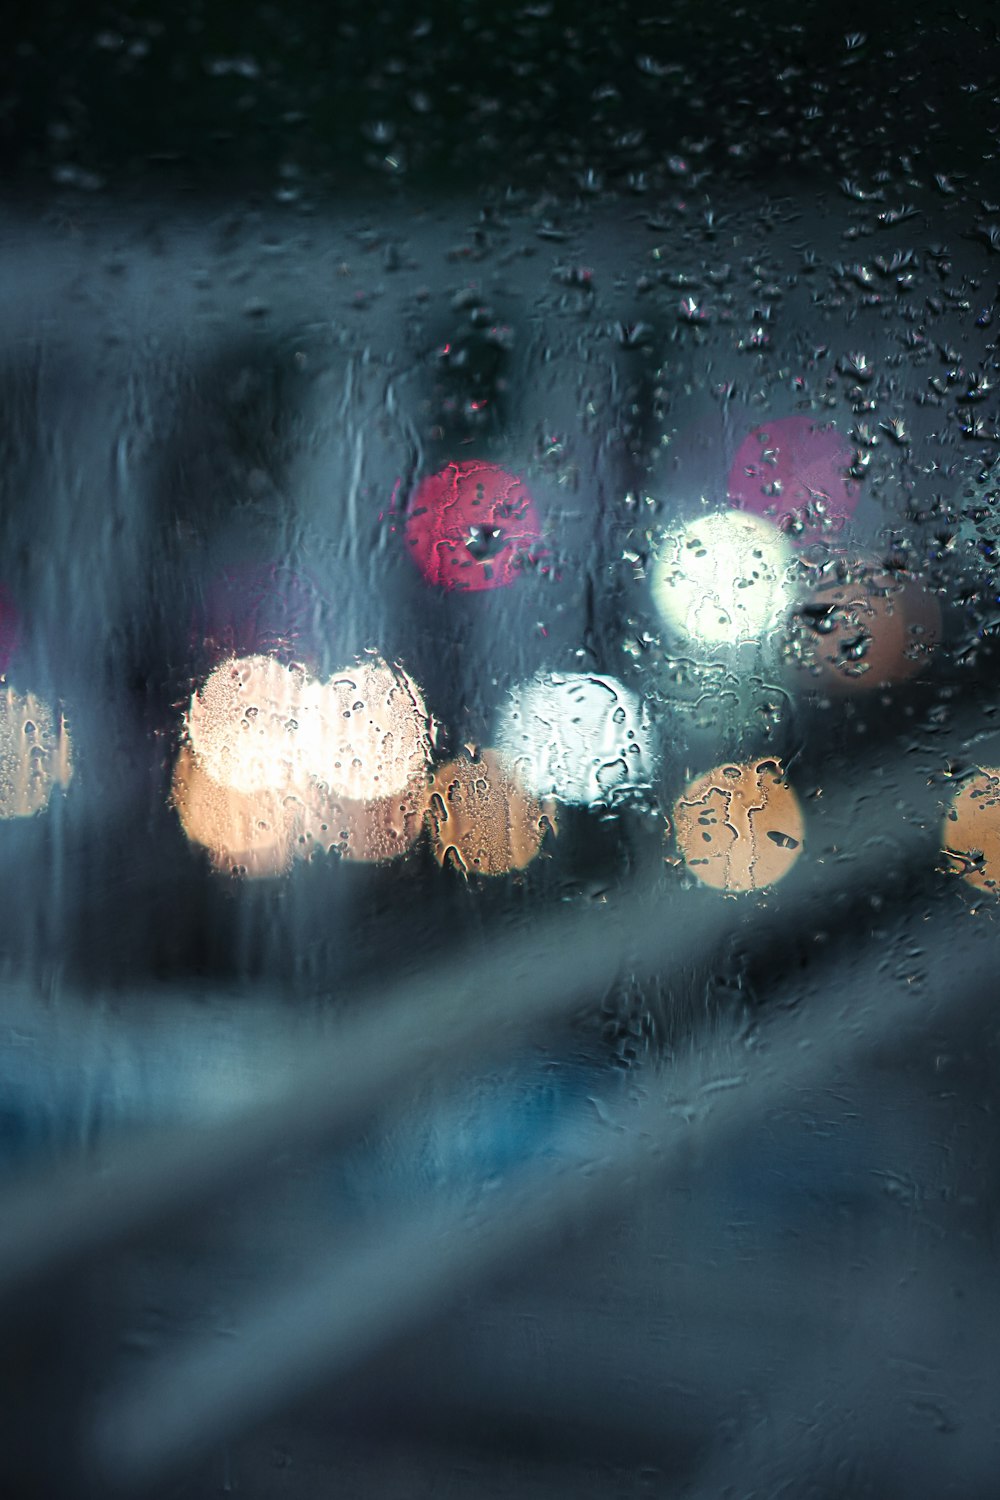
(451, 1015)
(343, 1309)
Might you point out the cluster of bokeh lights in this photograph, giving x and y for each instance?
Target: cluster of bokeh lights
(278, 763)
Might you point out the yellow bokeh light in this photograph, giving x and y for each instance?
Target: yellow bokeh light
(740, 827)
(376, 734)
(370, 832)
(246, 833)
(480, 818)
(971, 832)
(723, 579)
(255, 724)
(280, 764)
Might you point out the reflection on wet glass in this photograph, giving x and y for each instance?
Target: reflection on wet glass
(795, 473)
(579, 737)
(481, 820)
(869, 631)
(971, 832)
(35, 754)
(740, 827)
(723, 578)
(472, 526)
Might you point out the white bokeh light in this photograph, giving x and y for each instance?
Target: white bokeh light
(257, 725)
(376, 731)
(724, 578)
(580, 737)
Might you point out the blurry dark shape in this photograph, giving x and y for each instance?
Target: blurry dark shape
(10, 628)
(270, 609)
(473, 526)
(795, 472)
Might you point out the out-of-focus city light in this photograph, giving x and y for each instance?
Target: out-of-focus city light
(740, 827)
(472, 526)
(723, 579)
(259, 725)
(255, 724)
(35, 754)
(971, 832)
(579, 737)
(481, 820)
(795, 473)
(280, 764)
(376, 732)
(869, 632)
(369, 832)
(246, 833)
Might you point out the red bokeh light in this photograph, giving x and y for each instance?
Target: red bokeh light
(794, 473)
(472, 526)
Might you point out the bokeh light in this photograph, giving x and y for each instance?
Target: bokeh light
(35, 754)
(795, 473)
(280, 764)
(256, 724)
(376, 732)
(971, 831)
(740, 827)
(481, 820)
(723, 579)
(370, 832)
(246, 833)
(472, 526)
(580, 737)
(868, 631)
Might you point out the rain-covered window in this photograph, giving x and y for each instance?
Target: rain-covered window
(499, 752)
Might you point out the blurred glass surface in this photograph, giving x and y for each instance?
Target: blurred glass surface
(498, 615)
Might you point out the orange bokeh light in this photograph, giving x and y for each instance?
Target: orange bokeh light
(740, 827)
(368, 831)
(245, 833)
(869, 632)
(971, 832)
(481, 820)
